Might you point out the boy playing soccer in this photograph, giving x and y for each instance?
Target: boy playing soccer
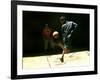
(67, 27)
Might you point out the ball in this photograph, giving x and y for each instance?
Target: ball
(55, 34)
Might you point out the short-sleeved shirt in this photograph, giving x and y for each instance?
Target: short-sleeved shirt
(66, 30)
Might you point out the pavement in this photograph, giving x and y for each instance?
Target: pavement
(80, 58)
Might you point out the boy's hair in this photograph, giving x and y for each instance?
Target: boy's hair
(62, 18)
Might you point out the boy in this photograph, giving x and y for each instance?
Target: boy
(67, 27)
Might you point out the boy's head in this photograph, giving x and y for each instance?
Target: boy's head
(62, 19)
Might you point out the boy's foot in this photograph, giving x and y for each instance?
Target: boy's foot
(61, 59)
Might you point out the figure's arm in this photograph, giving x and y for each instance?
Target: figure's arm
(74, 25)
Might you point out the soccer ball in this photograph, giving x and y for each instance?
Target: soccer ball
(55, 34)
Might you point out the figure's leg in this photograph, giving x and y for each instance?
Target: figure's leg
(62, 57)
(45, 44)
(65, 50)
(62, 46)
(52, 44)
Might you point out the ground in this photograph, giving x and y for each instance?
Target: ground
(80, 58)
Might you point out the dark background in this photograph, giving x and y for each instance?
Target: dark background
(33, 23)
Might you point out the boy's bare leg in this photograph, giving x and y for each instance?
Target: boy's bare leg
(62, 46)
(65, 50)
(62, 57)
